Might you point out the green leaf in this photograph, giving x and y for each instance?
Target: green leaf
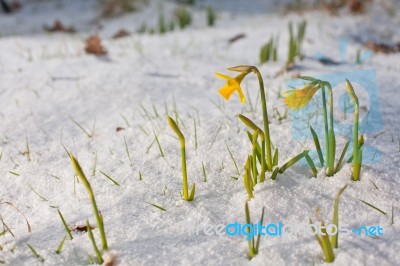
(339, 163)
(292, 161)
(372, 206)
(317, 146)
(334, 238)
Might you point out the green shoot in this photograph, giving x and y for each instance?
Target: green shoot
(40, 196)
(253, 245)
(275, 159)
(339, 163)
(292, 161)
(373, 207)
(14, 173)
(140, 176)
(27, 150)
(311, 164)
(203, 169)
(248, 181)
(110, 178)
(85, 182)
(87, 133)
(161, 24)
(94, 165)
(254, 157)
(211, 16)
(215, 137)
(334, 238)
(195, 134)
(233, 159)
(6, 227)
(158, 144)
(93, 241)
(178, 132)
(37, 255)
(360, 144)
(323, 239)
(376, 187)
(158, 207)
(184, 17)
(60, 246)
(65, 225)
(317, 146)
(125, 120)
(144, 130)
(268, 51)
(357, 152)
(275, 173)
(392, 220)
(296, 41)
(127, 151)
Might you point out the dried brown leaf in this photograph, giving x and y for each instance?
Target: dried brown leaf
(93, 46)
(59, 27)
(121, 33)
(80, 228)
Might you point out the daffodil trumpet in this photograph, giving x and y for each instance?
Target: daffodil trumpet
(179, 134)
(357, 147)
(233, 84)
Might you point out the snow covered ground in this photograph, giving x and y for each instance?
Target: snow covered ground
(47, 81)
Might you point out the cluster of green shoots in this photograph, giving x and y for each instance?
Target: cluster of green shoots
(253, 244)
(269, 51)
(329, 241)
(183, 19)
(296, 41)
(299, 98)
(264, 157)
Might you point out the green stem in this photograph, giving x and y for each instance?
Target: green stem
(178, 132)
(326, 126)
(184, 171)
(356, 157)
(263, 168)
(254, 162)
(332, 141)
(265, 119)
(357, 152)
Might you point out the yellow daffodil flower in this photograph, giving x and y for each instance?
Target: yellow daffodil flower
(297, 99)
(232, 85)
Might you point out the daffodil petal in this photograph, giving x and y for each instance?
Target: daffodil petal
(297, 99)
(241, 95)
(222, 76)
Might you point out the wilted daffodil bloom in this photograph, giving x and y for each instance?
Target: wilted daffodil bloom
(232, 85)
(297, 99)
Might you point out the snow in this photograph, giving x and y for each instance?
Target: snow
(47, 79)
